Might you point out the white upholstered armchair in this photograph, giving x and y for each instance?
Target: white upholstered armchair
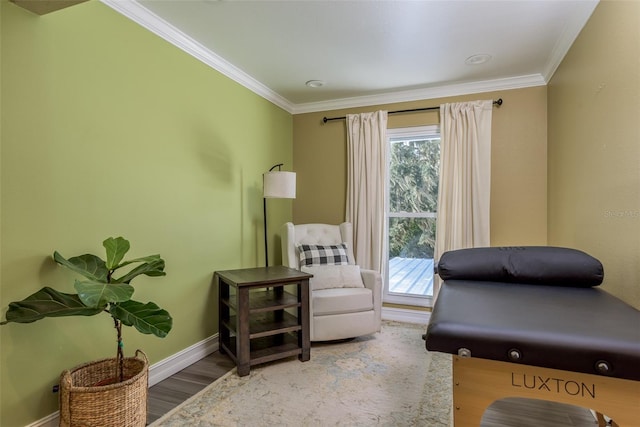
(345, 301)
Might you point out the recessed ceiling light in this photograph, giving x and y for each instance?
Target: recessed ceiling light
(315, 83)
(477, 59)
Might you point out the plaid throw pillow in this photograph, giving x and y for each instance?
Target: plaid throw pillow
(323, 254)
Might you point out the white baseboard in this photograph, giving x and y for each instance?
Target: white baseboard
(406, 315)
(50, 420)
(158, 371)
(177, 362)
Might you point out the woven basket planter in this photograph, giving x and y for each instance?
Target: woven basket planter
(122, 404)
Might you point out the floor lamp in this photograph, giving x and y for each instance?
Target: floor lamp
(277, 185)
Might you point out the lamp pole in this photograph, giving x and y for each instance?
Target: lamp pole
(266, 251)
(264, 212)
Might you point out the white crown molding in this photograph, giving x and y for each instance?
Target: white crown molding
(147, 19)
(152, 22)
(421, 94)
(565, 41)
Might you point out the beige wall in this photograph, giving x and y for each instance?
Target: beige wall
(594, 146)
(519, 162)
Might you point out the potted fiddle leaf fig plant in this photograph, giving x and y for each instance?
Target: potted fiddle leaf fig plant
(104, 288)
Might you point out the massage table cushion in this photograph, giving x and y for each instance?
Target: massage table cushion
(537, 306)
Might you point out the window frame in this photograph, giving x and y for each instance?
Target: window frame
(426, 132)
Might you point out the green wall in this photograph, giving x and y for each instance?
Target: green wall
(109, 130)
(594, 147)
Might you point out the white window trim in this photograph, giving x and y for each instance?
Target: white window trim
(409, 132)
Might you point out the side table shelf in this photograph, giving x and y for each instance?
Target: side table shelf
(265, 325)
(266, 301)
(259, 320)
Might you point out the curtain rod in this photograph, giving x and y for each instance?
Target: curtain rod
(497, 102)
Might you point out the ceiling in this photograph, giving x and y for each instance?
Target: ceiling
(368, 50)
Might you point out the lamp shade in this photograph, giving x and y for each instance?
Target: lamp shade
(279, 185)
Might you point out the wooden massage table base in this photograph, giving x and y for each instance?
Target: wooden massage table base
(477, 383)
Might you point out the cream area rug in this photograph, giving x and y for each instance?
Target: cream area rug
(385, 379)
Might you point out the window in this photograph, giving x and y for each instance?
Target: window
(412, 195)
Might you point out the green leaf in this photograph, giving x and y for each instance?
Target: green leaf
(116, 249)
(153, 268)
(147, 318)
(143, 259)
(88, 265)
(47, 302)
(97, 294)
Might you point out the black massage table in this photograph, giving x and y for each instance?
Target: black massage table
(530, 322)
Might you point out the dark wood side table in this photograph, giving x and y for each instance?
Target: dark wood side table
(260, 320)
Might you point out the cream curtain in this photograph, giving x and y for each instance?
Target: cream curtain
(366, 166)
(465, 176)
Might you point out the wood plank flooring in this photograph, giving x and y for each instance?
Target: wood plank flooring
(169, 393)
